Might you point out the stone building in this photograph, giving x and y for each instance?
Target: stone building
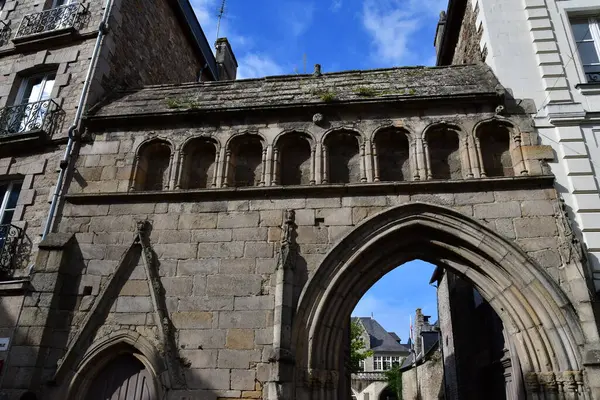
(371, 382)
(557, 45)
(217, 235)
(423, 371)
(213, 237)
(57, 59)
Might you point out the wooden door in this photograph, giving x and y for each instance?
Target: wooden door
(124, 378)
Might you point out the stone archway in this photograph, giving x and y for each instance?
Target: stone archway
(536, 313)
(123, 378)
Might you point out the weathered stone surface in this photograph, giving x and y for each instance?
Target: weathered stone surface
(535, 227)
(238, 285)
(240, 339)
(242, 319)
(192, 319)
(237, 358)
(238, 220)
(242, 380)
(127, 304)
(498, 210)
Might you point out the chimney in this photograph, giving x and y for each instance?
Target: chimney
(439, 32)
(226, 62)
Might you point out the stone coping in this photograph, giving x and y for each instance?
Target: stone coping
(14, 286)
(327, 190)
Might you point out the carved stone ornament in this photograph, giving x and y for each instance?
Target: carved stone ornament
(532, 383)
(500, 110)
(318, 118)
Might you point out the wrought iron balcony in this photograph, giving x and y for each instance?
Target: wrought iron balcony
(37, 117)
(10, 240)
(54, 19)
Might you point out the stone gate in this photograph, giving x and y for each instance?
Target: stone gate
(220, 234)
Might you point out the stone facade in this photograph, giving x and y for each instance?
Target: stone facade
(217, 288)
(56, 47)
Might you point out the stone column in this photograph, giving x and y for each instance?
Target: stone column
(227, 167)
(377, 175)
(276, 168)
(280, 385)
(136, 168)
(221, 161)
(419, 159)
(369, 160)
(466, 157)
(363, 163)
(179, 174)
(473, 157)
(171, 172)
(264, 168)
(215, 179)
(517, 158)
(482, 172)
(325, 165)
(313, 162)
(318, 164)
(427, 160)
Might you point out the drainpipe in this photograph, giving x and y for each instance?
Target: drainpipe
(64, 163)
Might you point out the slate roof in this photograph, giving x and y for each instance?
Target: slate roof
(431, 340)
(381, 340)
(407, 83)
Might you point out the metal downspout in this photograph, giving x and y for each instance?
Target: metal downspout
(73, 128)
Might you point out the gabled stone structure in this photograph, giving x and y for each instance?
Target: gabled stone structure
(266, 208)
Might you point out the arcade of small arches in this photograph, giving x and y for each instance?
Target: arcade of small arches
(443, 151)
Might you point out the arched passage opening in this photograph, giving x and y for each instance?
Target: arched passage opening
(535, 313)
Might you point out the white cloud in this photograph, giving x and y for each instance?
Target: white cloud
(255, 65)
(297, 16)
(392, 24)
(336, 5)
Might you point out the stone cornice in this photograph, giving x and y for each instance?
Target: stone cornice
(365, 189)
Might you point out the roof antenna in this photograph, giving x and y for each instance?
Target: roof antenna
(220, 17)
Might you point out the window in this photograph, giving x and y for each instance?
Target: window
(385, 363)
(9, 193)
(586, 32)
(32, 103)
(361, 365)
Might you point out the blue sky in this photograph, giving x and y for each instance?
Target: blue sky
(396, 296)
(272, 37)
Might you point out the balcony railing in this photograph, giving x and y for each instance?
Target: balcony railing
(28, 118)
(370, 376)
(10, 240)
(54, 19)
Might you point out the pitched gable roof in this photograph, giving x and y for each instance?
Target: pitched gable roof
(380, 339)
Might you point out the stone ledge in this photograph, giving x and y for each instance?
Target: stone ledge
(270, 192)
(14, 286)
(55, 241)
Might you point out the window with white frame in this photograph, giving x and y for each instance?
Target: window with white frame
(385, 363)
(32, 104)
(361, 365)
(9, 194)
(586, 32)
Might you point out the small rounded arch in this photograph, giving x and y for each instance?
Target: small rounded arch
(409, 131)
(246, 134)
(246, 158)
(442, 150)
(153, 165)
(391, 152)
(500, 120)
(207, 138)
(108, 349)
(199, 163)
(303, 133)
(344, 130)
(495, 141)
(293, 157)
(155, 139)
(343, 161)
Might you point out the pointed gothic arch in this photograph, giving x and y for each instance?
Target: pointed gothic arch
(539, 317)
(119, 348)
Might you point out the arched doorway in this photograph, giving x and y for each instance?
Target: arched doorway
(545, 333)
(388, 394)
(124, 378)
